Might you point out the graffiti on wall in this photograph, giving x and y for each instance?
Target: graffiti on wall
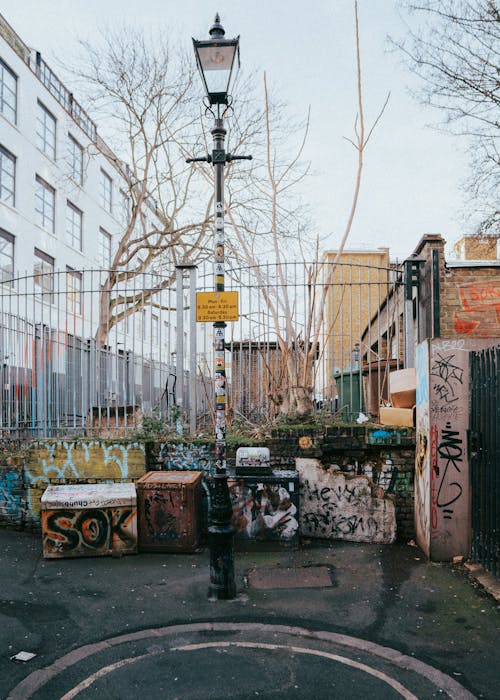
(187, 457)
(336, 506)
(422, 453)
(480, 313)
(447, 376)
(90, 532)
(448, 423)
(161, 517)
(12, 503)
(386, 436)
(61, 461)
(264, 511)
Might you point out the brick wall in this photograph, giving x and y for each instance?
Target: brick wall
(470, 302)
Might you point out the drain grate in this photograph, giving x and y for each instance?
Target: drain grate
(290, 577)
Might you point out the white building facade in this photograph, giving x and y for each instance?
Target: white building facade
(63, 209)
(63, 203)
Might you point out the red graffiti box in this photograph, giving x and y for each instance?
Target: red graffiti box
(87, 520)
(266, 508)
(170, 505)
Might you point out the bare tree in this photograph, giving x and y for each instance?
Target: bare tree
(293, 384)
(455, 50)
(144, 90)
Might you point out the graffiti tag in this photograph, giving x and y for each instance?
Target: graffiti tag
(449, 375)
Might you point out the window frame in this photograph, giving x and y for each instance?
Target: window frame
(74, 147)
(42, 213)
(5, 69)
(43, 143)
(73, 294)
(105, 200)
(9, 238)
(105, 235)
(5, 153)
(124, 209)
(69, 236)
(155, 329)
(45, 291)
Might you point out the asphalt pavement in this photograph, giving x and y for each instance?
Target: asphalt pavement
(328, 620)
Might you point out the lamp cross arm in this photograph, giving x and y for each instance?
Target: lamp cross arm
(203, 159)
(230, 157)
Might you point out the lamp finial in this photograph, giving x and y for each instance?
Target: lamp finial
(217, 30)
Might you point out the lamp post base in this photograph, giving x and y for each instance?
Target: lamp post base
(222, 584)
(220, 541)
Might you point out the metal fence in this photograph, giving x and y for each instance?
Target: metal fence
(93, 352)
(485, 458)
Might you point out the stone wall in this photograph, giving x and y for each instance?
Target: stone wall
(339, 506)
(384, 457)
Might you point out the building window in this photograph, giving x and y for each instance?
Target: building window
(73, 291)
(6, 256)
(106, 189)
(43, 272)
(155, 329)
(45, 204)
(7, 176)
(124, 209)
(8, 93)
(75, 160)
(105, 248)
(46, 131)
(74, 227)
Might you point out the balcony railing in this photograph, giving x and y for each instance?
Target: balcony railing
(65, 98)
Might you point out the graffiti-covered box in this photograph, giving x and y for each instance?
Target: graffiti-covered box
(89, 520)
(169, 506)
(266, 508)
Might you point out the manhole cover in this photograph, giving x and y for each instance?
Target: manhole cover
(290, 577)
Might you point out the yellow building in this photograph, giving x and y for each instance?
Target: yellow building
(477, 247)
(357, 286)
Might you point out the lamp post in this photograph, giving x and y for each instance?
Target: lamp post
(217, 58)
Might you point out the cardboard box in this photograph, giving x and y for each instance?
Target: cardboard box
(403, 388)
(390, 415)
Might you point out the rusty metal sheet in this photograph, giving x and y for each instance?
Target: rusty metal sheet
(169, 505)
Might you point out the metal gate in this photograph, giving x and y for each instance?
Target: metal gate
(485, 457)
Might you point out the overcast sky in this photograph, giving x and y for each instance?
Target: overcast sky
(412, 176)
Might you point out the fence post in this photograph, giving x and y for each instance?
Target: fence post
(179, 339)
(192, 350)
(412, 268)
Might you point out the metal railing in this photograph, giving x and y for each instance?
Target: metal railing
(65, 97)
(484, 445)
(94, 352)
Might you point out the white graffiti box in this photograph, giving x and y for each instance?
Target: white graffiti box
(89, 520)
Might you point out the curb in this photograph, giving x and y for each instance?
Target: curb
(487, 581)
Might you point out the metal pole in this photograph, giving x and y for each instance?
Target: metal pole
(192, 351)
(179, 339)
(220, 531)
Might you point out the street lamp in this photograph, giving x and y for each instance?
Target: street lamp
(217, 59)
